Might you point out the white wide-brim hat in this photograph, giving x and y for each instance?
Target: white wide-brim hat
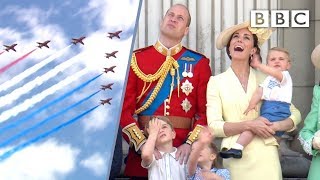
(263, 34)
(315, 57)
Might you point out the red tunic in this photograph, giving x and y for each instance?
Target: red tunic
(149, 61)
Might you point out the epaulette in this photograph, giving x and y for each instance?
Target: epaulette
(196, 52)
(142, 49)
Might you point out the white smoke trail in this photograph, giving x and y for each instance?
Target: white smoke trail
(9, 98)
(15, 80)
(28, 103)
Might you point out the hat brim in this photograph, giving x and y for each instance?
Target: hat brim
(315, 57)
(226, 34)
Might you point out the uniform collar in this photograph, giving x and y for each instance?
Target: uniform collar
(168, 52)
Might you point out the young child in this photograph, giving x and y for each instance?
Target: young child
(160, 136)
(276, 93)
(203, 163)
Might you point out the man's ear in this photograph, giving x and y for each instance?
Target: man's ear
(186, 31)
(161, 22)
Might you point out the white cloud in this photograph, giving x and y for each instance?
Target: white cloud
(49, 160)
(111, 13)
(96, 163)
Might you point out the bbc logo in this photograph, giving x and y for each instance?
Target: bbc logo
(280, 18)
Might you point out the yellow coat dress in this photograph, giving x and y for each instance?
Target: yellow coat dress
(226, 102)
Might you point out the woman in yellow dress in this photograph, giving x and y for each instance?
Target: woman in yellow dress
(228, 96)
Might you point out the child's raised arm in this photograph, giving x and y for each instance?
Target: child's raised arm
(148, 148)
(205, 138)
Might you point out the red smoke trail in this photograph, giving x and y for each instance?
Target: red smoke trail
(2, 52)
(3, 69)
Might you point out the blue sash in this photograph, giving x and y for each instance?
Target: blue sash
(165, 89)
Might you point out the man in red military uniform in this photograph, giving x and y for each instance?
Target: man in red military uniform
(169, 80)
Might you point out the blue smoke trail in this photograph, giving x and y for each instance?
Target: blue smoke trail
(8, 141)
(9, 153)
(42, 108)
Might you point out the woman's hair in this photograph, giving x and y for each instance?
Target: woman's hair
(162, 118)
(216, 163)
(255, 44)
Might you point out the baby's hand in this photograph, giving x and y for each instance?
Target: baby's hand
(249, 109)
(255, 60)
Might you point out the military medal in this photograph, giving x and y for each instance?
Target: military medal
(186, 105)
(190, 74)
(185, 73)
(187, 87)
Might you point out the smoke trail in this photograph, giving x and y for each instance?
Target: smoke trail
(28, 103)
(22, 133)
(15, 80)
(14, 95)
(6, 67)
(9, 153)
(42, 108)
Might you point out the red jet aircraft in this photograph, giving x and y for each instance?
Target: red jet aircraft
(78, 40)
(114, 34)
(10, 47)
(113, 54)
(106, 70)
(108, 86)
(44, 44)
(105, 101)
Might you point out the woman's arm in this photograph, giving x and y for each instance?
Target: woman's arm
(260, 127)
(306, 134)
(223, 129)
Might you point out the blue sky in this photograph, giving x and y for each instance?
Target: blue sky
(41, 96)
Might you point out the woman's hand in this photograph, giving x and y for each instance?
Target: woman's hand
(316, 140)
(262, 127)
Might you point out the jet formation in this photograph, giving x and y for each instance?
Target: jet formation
(78, 40)
(113, 54)
(104, 101)
(10, 47)
(106, 70)
(43, 44)
(108, 86)
(73, 41)
(114, 34)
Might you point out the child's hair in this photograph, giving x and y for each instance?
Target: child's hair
(162, 118)
(280, 49)
(216, 163)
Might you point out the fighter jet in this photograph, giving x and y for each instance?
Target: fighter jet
(43, 44)
(108, 86)
(114, 34)
(78, 40)
(105, 101)
(10, 47)
(113, 54)
(106, 70)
